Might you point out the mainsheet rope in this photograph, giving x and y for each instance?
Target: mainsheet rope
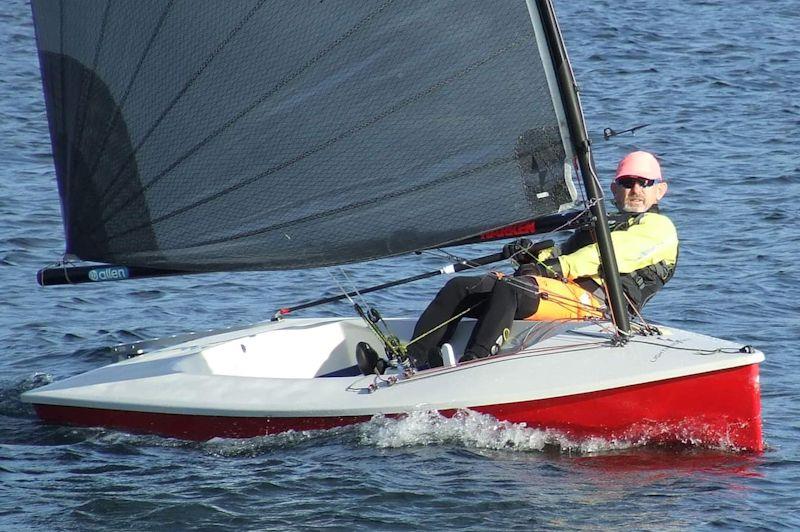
(564, 302)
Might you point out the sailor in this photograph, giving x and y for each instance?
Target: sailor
(563, 282)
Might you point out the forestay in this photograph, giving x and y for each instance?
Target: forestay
(267, 135)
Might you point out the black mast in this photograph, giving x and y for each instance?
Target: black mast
(577, 129)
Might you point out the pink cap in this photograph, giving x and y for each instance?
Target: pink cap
(639, 164)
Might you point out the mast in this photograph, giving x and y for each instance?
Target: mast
(582, 147)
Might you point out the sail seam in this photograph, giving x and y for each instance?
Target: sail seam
(118, 111)
(241, 114)
(85, 96)
(452, 177)
(346, 134)
(65, 156)
(199, 72)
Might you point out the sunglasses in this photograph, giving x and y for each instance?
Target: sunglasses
(629, 182)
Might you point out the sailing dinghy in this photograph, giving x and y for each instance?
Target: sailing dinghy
(263, 135)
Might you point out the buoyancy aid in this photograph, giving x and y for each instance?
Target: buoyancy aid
(565, 301)
(641, 284)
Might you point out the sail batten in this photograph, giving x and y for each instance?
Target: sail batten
(269, 135)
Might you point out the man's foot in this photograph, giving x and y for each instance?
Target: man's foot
(471, 355)
(421, 359)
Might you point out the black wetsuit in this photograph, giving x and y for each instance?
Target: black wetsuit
(491, 300)
(497, 302)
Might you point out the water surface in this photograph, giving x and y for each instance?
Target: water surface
(717, 83)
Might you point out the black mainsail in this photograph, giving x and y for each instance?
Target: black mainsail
(254, 135)
(270, 135)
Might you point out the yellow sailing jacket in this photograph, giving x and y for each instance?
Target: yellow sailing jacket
(646, 248)
(644, 240)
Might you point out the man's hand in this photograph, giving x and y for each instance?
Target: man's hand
(520, 250)
(549, 268)
(524, 251)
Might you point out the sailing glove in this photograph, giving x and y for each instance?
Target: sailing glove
(520, 250)
(523, 251)
(549, 268)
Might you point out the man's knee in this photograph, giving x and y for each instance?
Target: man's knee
(467, 285)
(523, 297)
(504, 290)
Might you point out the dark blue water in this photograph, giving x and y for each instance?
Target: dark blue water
(715, 80)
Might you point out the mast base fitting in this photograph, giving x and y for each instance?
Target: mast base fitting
(620, 340)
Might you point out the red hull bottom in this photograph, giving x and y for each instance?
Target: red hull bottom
(718, 408)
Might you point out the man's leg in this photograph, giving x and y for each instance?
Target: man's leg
(511, 298)
(459, 294)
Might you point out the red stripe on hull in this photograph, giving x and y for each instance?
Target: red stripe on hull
(722, 407)
(185, 426)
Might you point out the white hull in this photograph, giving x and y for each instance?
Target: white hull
(274, 372)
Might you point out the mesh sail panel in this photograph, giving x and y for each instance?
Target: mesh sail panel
(208, 135)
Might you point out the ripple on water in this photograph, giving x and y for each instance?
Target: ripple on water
(717, 83)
